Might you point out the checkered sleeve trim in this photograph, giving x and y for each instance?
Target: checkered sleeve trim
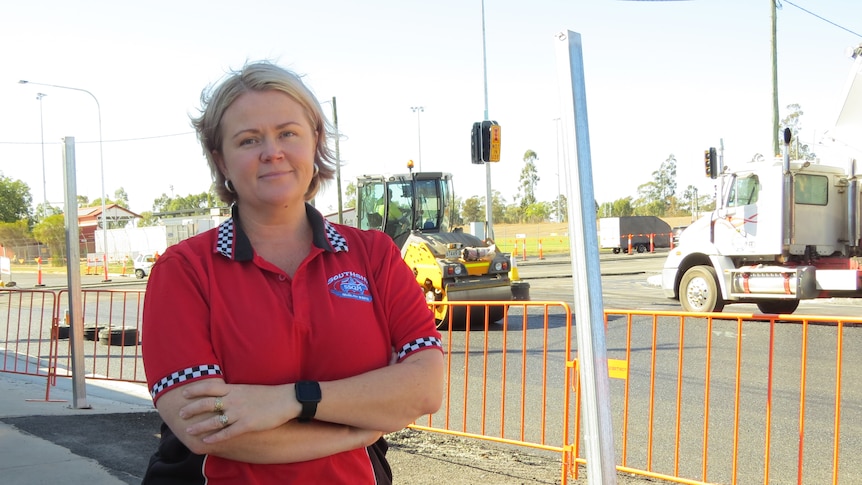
(187, 374)
(419, 344)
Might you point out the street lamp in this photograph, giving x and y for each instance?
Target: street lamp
(101, 163)
(418, 110)
(39, 96)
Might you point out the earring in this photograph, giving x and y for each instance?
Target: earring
(229, 186)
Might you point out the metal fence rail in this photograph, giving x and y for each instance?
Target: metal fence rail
(34, 334)
(507, 381)
(695, 398)
(737, 398)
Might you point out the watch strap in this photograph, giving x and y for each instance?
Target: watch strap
(308, 395)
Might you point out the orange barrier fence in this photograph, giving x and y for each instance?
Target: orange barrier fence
(631, 247)
(736, 398)
(507, 381)
(34, 338)
(694, 398)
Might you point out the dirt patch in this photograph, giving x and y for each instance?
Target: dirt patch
(426, 458)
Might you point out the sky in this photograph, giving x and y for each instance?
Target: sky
(661, 79)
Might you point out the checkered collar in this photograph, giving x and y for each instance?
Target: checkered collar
(233, 243)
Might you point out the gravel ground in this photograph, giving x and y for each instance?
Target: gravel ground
(424, 458)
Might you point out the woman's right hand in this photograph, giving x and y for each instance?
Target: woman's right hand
(244, 408)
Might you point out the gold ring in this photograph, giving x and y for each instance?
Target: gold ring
(219, 405)
(222, 419)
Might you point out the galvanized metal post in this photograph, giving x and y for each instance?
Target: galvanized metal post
(489, 197)
(73, 270)
(584, 248)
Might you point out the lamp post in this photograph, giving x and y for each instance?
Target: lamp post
(39, 96)
(418, 110)
(101, 163)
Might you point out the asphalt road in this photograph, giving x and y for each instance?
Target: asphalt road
(626, 284)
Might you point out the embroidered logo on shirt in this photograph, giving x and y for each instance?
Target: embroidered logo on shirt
(349, 285)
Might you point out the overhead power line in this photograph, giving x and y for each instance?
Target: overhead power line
(809, 12)
(103, 141)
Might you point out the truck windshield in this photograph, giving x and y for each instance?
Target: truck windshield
(744, 191)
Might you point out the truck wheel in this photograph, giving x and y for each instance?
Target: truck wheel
(698, 290)
(641, 248)
(616, 250)
(779, 307)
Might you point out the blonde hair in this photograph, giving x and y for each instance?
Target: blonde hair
(261, 76)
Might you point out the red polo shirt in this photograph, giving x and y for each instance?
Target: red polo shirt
(215, 308)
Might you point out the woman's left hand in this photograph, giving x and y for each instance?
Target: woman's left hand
(235, 409)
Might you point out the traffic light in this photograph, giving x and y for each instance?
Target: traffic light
(494, 141)
(476, 143)
(485, 142)
(710, 159)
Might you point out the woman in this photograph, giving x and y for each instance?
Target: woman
(280, 347)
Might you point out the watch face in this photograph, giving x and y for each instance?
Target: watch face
(307, 391)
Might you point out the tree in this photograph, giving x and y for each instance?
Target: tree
(349, 196)
(457, 220)
(538, 212)
(121, 198)
(189, 202)
(529, 179)
(83, 201)
(623, 207)
(15, 200)
(793, 121)
(44, 210)
(656, 196)
(689, 201)
(473, 210)
(561, 208)
(513, 214)
(651, 208)
(51, 231)
(147, 219)
(15, 233)
(498, 206)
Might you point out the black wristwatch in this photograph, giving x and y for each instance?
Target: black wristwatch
(308, 394)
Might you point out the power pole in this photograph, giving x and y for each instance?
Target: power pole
(776, 150)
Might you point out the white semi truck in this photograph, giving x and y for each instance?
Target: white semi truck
(782, 231)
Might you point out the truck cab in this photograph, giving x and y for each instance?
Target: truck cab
(783, 230)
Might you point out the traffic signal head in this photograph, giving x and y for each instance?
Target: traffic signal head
(710, 159)
(476, 143)
(485, 142)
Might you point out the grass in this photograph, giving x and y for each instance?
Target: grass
(113, 268)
